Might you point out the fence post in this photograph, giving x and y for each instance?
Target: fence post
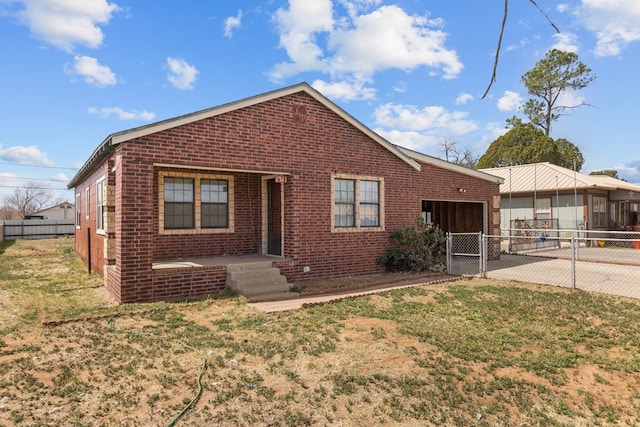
(88, 250)
(573, 262)
(481, 253)
(448, 251)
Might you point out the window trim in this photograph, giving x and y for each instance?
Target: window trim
(604, 203)
(358, 227)
(78, 212)
(226, 204)
(100, 205)
(197, 178)
(191, 203)
(546, 210)
(87, 202)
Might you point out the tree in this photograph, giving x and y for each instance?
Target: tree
(27, 200)
(460, 156)
(555, 74)
(6, 212)
(525, 144)
(608, 172)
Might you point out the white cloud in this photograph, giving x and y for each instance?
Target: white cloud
(567, 42)
(463, 98)
(562, 7)
(232, 23)
(390, 38)
(67, 23)
(344, 90)
(30, 155)
(60, 177)
(430, 118)
(299, 27)
(400, 87)
(510, 101)
(92, 72)
(413, 140)
(122, 114)
(416, 128)
(182, 75)
(616, 23)
(360, 44)
(630, 171)
(492, 131)
(570, 99)
(8, 176)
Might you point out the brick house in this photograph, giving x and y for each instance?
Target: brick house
(287, 177)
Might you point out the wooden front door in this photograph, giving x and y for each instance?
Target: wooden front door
(274, 218)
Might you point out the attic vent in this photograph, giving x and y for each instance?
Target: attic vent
(300, 113)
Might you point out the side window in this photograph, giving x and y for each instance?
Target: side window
(100, 206)
(78, 201)
(87, 203)
(345, 199)
(599, 214)
(369, 204)
(543, 209)
(178, 203)
(214, 203)
(358, 203)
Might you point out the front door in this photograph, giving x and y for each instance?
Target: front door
(274, 218)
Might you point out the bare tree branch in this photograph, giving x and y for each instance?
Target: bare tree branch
(495, 61)
(502, 27)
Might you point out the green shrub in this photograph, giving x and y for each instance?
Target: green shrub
(418, 248)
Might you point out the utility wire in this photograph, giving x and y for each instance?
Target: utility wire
(37, 188)
(37, 166)
(11, 178)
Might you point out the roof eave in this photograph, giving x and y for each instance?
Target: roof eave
(434, 161)
(100, 153)
(114, 139)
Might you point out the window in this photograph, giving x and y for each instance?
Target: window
(100, 206)
(178, 203)
(543, 209)
(357, 203)
(369, 204)
(214, 199)
(77, 210)
(345, 197)
(87, 203)
(195, 203)
(599, 214)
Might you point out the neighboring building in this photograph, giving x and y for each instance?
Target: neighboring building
(60, 211)
(286, 175)
(544, 192)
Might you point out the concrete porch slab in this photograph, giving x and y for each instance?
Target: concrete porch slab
(213, 261)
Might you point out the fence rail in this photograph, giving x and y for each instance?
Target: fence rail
(602, 264)
(32, 229)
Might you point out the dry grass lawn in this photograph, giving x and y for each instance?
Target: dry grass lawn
(466, 353)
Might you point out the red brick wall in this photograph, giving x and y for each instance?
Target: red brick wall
(175, 284)
(246, 238)
(87, 230)
(294, 134)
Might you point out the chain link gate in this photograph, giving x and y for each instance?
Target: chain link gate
(465, 254)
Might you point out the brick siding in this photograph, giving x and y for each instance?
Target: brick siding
(294, 134)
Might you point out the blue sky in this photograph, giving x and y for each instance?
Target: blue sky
(74, 71)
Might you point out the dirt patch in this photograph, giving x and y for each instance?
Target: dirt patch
(364, 282)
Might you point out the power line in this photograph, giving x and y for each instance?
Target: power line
(30, 179)
(37, 188)
(38, 166)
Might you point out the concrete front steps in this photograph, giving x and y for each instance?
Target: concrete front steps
(259, 281)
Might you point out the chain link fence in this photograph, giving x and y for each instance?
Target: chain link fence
(606, 262)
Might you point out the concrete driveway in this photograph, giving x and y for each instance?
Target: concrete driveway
(614, 276)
